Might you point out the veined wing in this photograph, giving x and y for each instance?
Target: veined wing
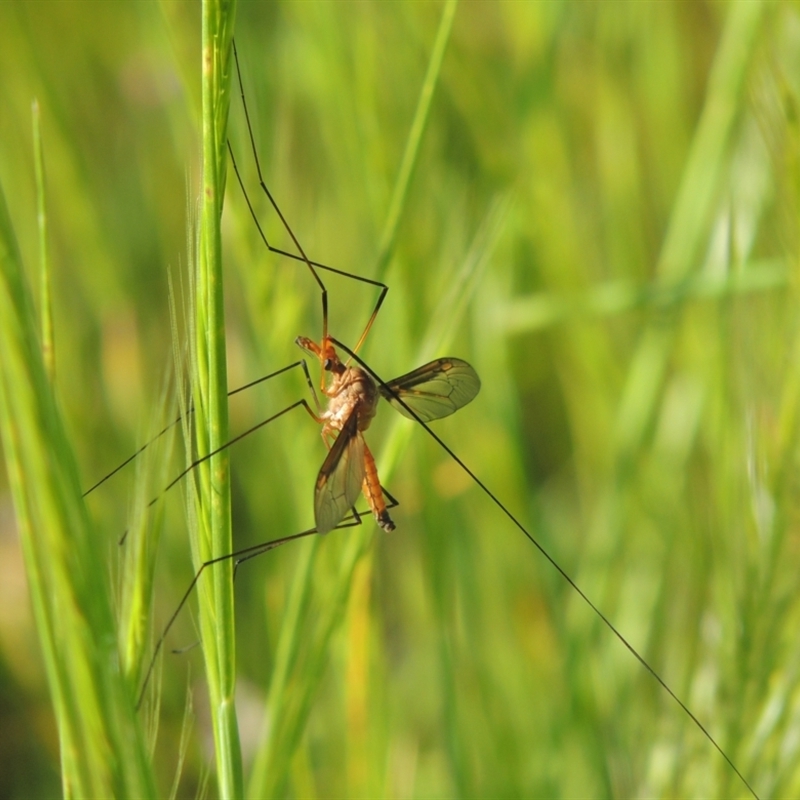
(434, 390)
(340, 477)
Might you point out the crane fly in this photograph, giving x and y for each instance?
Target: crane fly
(428, 393)
(433, 391)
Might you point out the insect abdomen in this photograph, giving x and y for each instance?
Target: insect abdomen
(374, 493)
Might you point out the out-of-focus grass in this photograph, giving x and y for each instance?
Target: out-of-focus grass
(612, 190)
(68, 584)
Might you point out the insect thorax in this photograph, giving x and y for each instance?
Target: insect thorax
(353, 387)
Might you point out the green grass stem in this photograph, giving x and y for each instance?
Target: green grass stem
(45, 281)
(596, 205)
(288, 706)
(211, 403)
(698, 196)
(545, 309)
(102, 749)
(399, 198)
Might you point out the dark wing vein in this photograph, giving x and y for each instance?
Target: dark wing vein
(434, 390)
(340, 477)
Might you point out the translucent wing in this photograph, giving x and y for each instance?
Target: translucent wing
(434, 390)
(340, 477)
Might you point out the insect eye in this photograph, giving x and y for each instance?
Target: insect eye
(327, 364)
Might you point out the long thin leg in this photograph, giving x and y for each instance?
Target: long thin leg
(263, 185)
(172, 424)
(240, 556)
(540, 547)
(312, 265)
(225, 446)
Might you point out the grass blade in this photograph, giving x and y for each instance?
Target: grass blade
(288, 703)
(45, 298)
(692, 210)
(102, 748)
(210, 401)
(411, 152)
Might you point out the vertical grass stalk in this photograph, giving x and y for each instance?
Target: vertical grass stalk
(102, 748)
(301, 652)
(699, 191)
(411, 153)
(45, 297)
(210, 401)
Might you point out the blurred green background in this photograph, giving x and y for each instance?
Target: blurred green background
(603, 221)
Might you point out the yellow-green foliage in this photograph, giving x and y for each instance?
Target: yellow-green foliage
(599, 212)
